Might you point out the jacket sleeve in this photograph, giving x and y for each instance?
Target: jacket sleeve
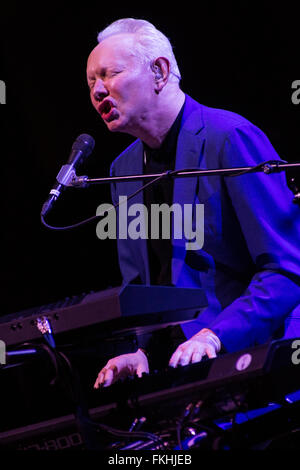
(270, 223)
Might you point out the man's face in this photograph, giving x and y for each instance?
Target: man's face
(121, 87)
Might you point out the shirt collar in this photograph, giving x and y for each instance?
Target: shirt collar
(167, 150)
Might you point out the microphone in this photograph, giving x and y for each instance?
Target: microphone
(81, 149)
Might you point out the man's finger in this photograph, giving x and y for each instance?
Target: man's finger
(182, 356)
(99, 380)
(211, 353)
(189, 352)
(197, 356)
(108, 378)
(105, 378)
(140, 371)
(185, 358)
(175, 358)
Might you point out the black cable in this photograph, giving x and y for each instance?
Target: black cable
(115, 206)
(183, 420)
(51, 354)
(254, 169)
(121, 433)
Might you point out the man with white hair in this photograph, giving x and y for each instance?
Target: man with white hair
(249, 265)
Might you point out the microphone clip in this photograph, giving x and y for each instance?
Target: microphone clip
(67, 177)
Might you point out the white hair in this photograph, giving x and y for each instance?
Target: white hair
(150, 44)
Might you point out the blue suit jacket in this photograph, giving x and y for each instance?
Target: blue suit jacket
(249, 265)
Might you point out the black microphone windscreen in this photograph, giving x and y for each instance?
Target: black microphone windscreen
(84, 144)
(84, 141)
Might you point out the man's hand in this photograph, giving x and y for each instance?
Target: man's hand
(122, 366)
(203, 343)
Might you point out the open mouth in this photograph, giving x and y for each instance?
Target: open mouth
(107, 110)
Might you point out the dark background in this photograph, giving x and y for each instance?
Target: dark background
(241, 57)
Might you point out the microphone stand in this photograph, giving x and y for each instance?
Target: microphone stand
(268, 167)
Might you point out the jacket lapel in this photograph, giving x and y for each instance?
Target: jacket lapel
(135, 167)
(188, 155)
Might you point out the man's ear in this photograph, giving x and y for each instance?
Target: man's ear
(161, 69)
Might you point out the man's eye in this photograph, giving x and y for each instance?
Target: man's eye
(115, 72)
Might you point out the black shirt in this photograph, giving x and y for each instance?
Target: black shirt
(159, 161)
